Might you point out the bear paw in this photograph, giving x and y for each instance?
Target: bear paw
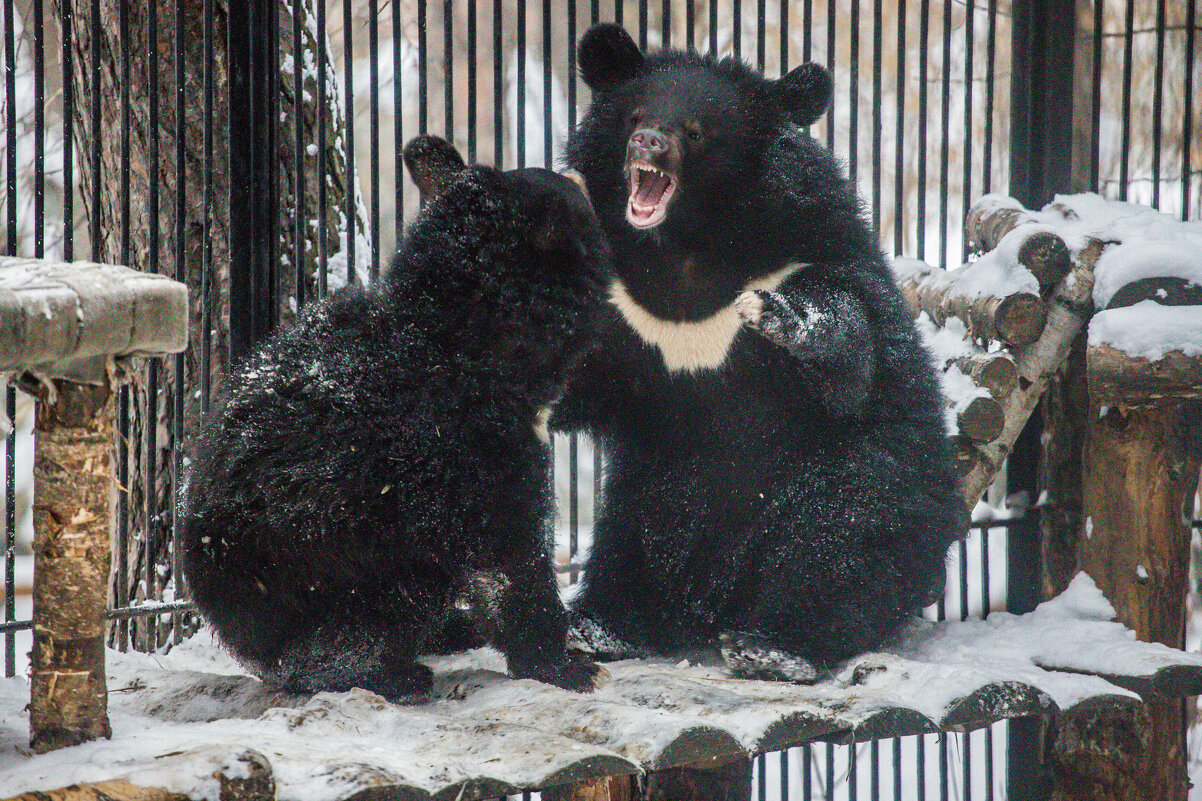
(576, 675)
(750, 656)
(587, 636)
(770, 315)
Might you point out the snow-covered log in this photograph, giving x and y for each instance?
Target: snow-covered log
(995, 372)
(1015, 319)
(993, 219)
(981, 419)
(1117, 378)
(1069, 309)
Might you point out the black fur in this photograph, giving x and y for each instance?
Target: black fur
(800, 495)
(378, 461)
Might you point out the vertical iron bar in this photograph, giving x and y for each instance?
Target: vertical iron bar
(373, 104)
(945, 119)
(1158, 102)
(853, 97)
(877, 45)
(807, 772)
(94, 108)
(761, 784)
(323, 105)
(348, 134)
(39, 132)
(10, 393)
(760, 51)
(784, 39)
(298, 157)
(920, 745)
(1128, 55)
(642, 24)
(1188, 115)
(472, 133)
(10, 106)
(266, 278)
(944, 784)
(987, 151)
(206, 280)
(10, 445)
(547, 109)
(498, 66)
(448, 70)
(966, 180)
(899, 152)
(1095, 117)
(398, 129)
(690, 25)
(520, 92)
(920, 215)
(423, 87)
(853, 785)
(665, 25)
(828, 786)
(784, 755)
(897, 769)
(68, 81)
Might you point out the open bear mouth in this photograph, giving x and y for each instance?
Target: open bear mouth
(650, 191)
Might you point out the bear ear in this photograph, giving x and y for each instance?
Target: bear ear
(608, 57)
(805, 93)
(433, 164)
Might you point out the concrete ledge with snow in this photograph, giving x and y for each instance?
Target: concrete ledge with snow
(184, 721)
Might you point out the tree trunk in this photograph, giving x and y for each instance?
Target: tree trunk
(144, 569)
(68, 693)
(1134, 542)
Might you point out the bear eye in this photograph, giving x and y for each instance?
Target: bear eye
(634, 117)
(693, 135)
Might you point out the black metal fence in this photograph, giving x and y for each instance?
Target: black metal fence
(252, 149)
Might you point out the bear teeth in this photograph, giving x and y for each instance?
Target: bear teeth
(650, 190)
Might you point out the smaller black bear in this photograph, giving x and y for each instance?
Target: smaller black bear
(387, 456)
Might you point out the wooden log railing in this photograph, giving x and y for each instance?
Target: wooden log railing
(1119, 474)
(65, 332)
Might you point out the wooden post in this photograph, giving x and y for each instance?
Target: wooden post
(72, 484)
(1134, 542)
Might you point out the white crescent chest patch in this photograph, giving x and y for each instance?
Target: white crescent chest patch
(696, 345)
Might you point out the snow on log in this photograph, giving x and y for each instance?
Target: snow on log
(482, 734)
(56, 317)
(1121, 379)
(995, 372)
(981, 419)
(994, 219)
(991, 301)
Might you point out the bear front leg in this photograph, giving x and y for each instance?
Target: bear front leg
(531, 624)
(828, 331)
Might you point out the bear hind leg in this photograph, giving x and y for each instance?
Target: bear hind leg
(337, 657)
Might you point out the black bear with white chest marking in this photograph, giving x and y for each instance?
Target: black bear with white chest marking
(777, 470)
(387, 456)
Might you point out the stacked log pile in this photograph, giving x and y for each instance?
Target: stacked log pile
(1101, 302)
(999, 327)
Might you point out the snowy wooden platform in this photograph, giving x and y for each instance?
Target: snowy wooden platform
(183, 720)
(63, 319)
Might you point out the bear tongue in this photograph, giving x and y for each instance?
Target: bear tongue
(651, 188)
